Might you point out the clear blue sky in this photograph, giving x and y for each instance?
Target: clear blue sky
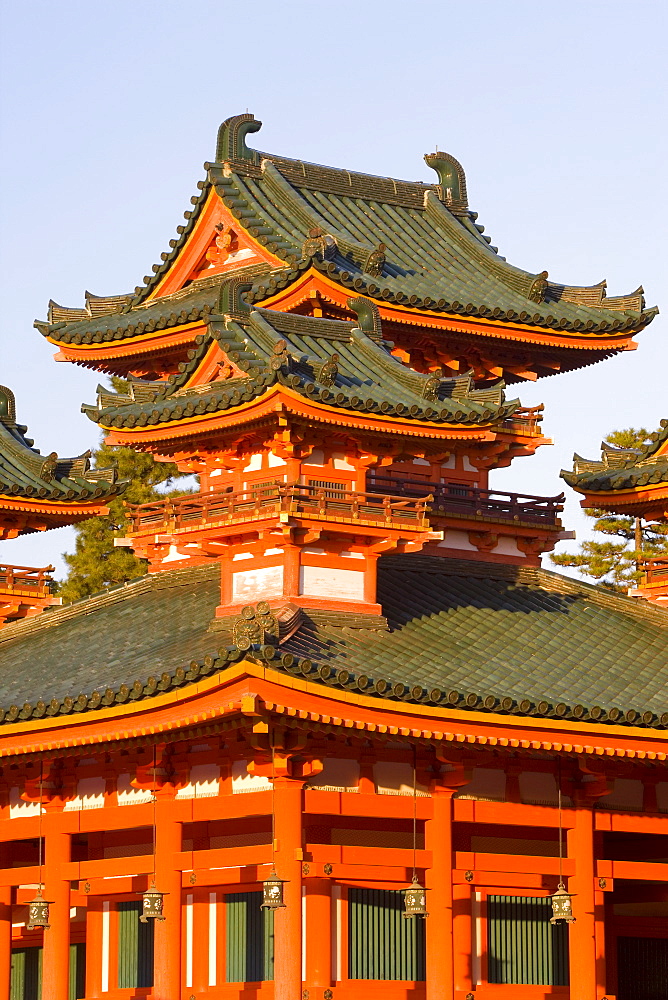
(557, 113)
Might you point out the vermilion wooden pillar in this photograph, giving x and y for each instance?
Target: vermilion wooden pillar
(168, 945)
(288, 922)
(582, 964)
(462, 937)
(5, 940)
(318, 932)
(439, 923)
(56, 953)
(93, 948)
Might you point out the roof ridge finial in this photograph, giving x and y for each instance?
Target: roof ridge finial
(231, 143)
(451, 180)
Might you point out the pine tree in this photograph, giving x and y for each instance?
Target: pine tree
(96, 564)
(614, 564)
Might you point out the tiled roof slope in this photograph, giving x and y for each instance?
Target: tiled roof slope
(406, 242)
(24, 472)
(622, 469)
(291, 350)
(499, 638)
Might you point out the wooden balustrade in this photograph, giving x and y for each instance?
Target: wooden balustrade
(21, 579)
(656, 570)
(459, 498)
(273, 500)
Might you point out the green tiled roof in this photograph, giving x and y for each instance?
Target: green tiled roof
(24, 472)
(621, 469)
(292, 350)
(464, 634)
(405, 242)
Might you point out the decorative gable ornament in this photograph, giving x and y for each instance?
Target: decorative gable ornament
(538, 288)
(255, 627)
(329, 371)
(375, 262)
(319, 244)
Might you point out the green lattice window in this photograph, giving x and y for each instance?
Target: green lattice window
(135, 947)
(381, 943)
(523, 947)
(249, 947)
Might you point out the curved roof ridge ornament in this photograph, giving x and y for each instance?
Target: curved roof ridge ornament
(7, 405)
(231, 142)
(451, 180)
(368, 316)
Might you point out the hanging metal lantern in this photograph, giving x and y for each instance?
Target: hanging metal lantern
(562, 911)
(152, 902)
(38, 911)
(415, 900)
(272, 893)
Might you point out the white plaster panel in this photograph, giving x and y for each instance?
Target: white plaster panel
(451, 463)
(453, 539)
(326, 581)
(421, 461)
(317, 457)
(254, 464)
(468, 465)
(273, 461)
(394, 778)
(126, 795)
(254, 584)
(339, 461)
(273, 552)
(18, 807)
(242, 781)
(338, 772)
(241, 555)
(174, 555)
(90, 795)
(204, 782)
(508, 547)
(352, 555)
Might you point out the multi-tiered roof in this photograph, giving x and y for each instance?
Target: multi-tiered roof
(317, 236)
(38, 491)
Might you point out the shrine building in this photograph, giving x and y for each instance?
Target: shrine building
(634, 483)
(346, 737)
(38, 492)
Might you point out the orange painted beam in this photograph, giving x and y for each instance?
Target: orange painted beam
(369, 856)
(520, 863)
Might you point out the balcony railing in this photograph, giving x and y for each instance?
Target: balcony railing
(458, 498)
(276, 500)
(26, 580)
(656, 571)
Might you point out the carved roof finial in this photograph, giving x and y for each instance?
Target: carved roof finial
(451, 180)
(231, 144)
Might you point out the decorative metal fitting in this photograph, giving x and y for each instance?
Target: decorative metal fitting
(468, 876)
(602, 884)
(272, 893)
(328, 995)
(152, 902)
(562, 911)
(415, 900)
(305, 994)
(193, 878)
(306, 869)
(328, 869)
(38, 911)
(470, 996)
(86, 887)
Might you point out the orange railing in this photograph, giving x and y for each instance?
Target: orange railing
(656, 570)
(26, 579)
(273, 500)
(458, 498)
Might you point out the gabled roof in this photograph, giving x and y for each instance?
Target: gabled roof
(340, 364)
(485, 638)
(622, 468)
(401, 242)
(27, 475)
